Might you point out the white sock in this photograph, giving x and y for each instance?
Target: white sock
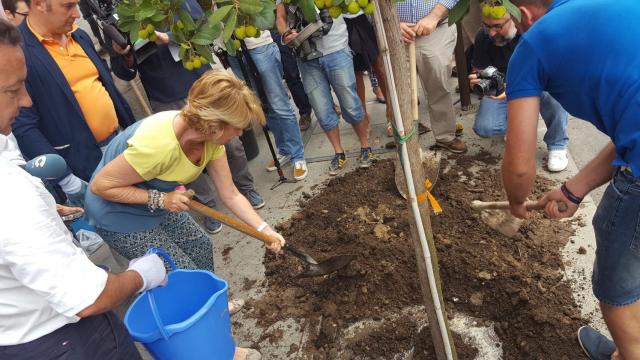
(71, 184)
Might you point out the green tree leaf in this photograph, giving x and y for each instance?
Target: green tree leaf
(308, 10)
(206, 35)
(145, 12)
(206, 52)
(512, 9)
(219, 14)
(230, 25)
(231, 48)
(250, 7)
(187, 20)
(266, 19)
(459, 11)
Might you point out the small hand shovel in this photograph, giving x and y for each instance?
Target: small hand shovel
(496, 214)
(312, 267)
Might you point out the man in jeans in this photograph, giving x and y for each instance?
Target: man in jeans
(595, 75)
(294, 83)
(333, 70)
(424, 21)
(280, 116)
(493, 46)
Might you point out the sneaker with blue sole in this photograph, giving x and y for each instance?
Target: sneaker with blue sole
(594, 344)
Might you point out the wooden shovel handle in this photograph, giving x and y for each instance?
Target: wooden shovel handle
(414, 80)
(231, 222)
(502, 205)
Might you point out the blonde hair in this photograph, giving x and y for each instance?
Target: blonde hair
(218, 98)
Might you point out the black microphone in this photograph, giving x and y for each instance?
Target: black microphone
(47, 167)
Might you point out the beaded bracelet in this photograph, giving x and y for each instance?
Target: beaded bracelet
(569, 195)
(155, 200)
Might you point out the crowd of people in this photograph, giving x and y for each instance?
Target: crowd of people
(58, 96)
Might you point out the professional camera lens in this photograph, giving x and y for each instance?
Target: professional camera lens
(483, 87)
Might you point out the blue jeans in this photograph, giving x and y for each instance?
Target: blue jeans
(98, 337)
(616, 270)
(332, 71)
(491, 120)
(280, 116)
(292, 75)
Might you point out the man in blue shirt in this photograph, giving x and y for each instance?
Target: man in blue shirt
(582, 52)
(425, 22)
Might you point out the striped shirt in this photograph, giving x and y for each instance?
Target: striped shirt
(412, 11)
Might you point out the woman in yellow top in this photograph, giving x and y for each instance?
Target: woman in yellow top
(132, 199)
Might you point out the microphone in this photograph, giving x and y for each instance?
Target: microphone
(47, 167)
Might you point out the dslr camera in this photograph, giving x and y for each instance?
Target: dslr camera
(491, 82)
(308, 33)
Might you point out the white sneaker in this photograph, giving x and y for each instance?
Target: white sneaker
(283, 159)
(300, 170)
(558, 160)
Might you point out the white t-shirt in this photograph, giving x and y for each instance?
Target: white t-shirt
(264, 39)
(45, 280)
(337, 38)
(9, 149)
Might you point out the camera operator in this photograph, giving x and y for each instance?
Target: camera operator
(330, 67)
(493, 46)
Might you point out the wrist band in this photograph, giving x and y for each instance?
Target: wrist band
(569, 195)
(262, 226)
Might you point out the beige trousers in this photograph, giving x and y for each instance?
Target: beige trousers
(433, 60)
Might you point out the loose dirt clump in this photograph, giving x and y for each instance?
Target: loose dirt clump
(368, 310)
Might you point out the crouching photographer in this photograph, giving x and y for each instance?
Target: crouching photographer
(325, 62)
(493, 47)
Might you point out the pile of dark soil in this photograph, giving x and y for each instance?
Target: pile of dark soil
(516, 284)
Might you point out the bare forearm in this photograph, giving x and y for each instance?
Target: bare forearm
(119, 288)
(124, 194)
(439, 12)
(597, 172)
(281, 19)
(241, 207)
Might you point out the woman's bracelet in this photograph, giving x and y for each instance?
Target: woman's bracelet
(155, 200)
(262, 226)
(569, 195)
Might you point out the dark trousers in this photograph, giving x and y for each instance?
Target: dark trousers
(292, 75)
(100, 337)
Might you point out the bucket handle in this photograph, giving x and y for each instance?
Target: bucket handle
(152, 301)
(163, 253)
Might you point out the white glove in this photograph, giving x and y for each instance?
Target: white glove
(151, 269)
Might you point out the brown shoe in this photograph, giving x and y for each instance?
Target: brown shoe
(305, 122)
(455, 146)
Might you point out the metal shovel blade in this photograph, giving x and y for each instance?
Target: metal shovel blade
(313, 268)
(431, 164)
(328, 266)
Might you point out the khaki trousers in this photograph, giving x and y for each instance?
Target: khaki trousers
(433, 60)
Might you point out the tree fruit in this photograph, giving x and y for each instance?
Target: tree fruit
(328, 4)
(180, 24)
(143, 34)
(319, 4)
(363, 3)
(486, 10)
(240, 32)
(153, 37)
(497, 12)
(188, 65)
(335, 11)
(353, 8)
(251, 31)
(369, 9)
(196, 63)
(204, 60)
(150, 28)
(236, 43)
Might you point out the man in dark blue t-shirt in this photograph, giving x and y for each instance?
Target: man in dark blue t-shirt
(493, 46)
(584, 53)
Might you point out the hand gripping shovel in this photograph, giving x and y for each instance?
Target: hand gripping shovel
(312, 267)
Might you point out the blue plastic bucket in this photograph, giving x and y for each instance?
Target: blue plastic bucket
(187, 319)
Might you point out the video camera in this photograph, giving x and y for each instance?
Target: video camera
(491, 82)
(104, 12)
(308, 33)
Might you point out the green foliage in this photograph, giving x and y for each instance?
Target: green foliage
(462, 9)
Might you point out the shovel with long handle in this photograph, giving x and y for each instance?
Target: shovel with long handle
(313, 267)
